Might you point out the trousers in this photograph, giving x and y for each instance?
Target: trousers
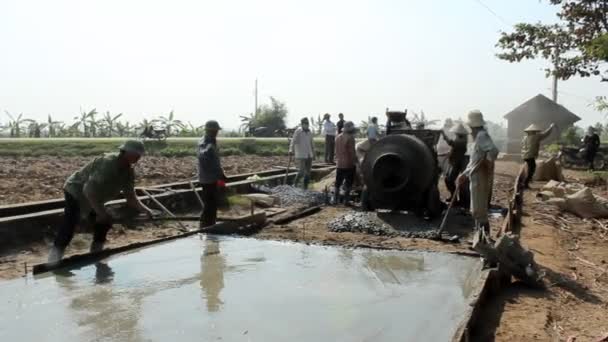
(210, 201)
(531, 163)
(71, 218)
(304, 166)
(330, 146)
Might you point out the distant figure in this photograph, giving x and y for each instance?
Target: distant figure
(373, 132)
(329, 131)
(340, 123)
(456, 162)
(347, 162)
(591, 144)
(479, 171)
(530, 147)
(303, 149)
(210, 173)
(87, 190)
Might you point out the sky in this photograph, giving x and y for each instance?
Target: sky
(200, 58)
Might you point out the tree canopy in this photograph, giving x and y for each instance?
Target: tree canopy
(577, 45)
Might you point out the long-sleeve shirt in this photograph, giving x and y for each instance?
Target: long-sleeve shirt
(345, 151)
(104, 177)
(530, 145)
(592, 142)
(301, 144)
(458, 151)
(372, 132)
(329, 128)
(340, 125)
(209, 164)
(483, 151)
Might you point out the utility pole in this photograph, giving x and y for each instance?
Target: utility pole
(255, 111)
(555, 64)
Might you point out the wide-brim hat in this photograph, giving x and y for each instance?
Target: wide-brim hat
(532, 128)
(459, 129)
(475, 119)
(133, 146)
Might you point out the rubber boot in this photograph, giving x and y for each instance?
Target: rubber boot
(347, 196)
(336, 197)
(55, 254)
(96, 247)
(306, 181)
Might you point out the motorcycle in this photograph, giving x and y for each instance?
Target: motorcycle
(574, 158)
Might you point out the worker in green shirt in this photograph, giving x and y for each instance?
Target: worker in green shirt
(530, 147)
(88, 189)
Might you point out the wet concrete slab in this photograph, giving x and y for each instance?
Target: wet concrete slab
(231, 289)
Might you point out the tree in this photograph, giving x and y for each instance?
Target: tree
(35, 128)
(15, 123)
(572, 136)
(577, 45)
(247, 123)
(83, 121)
(272, 116)
(170, 122)
(124, 129)
(144, 124)
(52, 125)
(420, 119)
(108, 122)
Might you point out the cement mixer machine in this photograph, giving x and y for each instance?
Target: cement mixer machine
(401, 171)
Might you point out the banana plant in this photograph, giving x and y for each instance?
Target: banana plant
(84, 121)
(108, 122)
(169, 122)
(15, 124)
(52, 125)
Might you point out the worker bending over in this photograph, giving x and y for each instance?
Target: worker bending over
(530, 146)
(346, 166)
(87, 190)
(302, 147)
(479, 171)
(211, 175)
(456, 163)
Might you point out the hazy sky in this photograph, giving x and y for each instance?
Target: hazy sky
(200, 58)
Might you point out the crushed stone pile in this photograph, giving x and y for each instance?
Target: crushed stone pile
(289, 196)
(369, 223)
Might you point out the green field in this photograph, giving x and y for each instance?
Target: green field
(172, 147)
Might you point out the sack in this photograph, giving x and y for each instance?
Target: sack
(548, 170)
(586, 205)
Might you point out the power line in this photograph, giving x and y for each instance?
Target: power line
(496, 15)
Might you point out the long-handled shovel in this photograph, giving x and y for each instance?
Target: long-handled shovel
(445, 217)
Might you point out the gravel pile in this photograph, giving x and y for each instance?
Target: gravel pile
(365, 222)
(296, 196)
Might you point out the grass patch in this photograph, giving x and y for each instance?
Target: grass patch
(173, 147)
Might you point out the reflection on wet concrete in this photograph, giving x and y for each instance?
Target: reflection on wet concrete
(250, 289)
(212, 273)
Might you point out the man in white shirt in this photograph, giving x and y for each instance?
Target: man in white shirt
(303, 149)
(329, 131)
(480, 171)
(373, 133)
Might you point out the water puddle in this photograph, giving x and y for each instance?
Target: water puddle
(229, 289)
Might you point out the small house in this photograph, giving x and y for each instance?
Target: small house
(539, 110)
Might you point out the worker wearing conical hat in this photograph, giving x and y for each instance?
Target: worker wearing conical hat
(530, 147)
(480, 171)
(87, 190)
(456, 161)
